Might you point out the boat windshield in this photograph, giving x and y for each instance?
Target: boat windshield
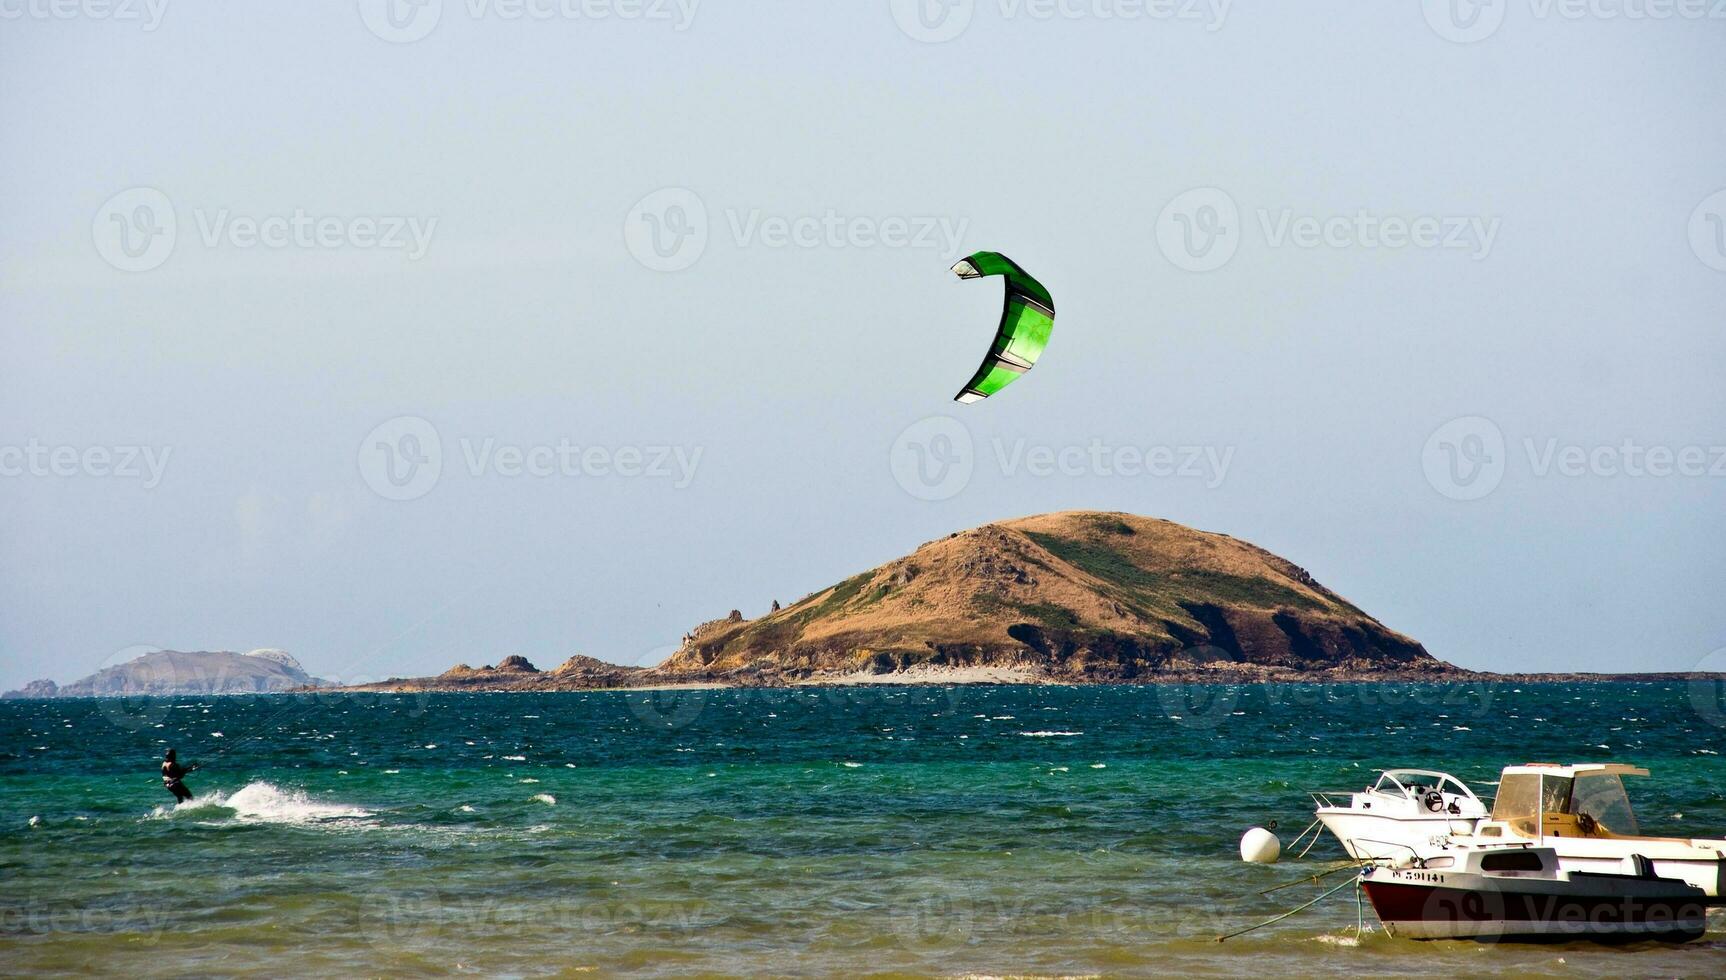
(1555, 794)
(1529, 801)
(1518, 797)
(1416, 784)
(1524, 796)
(1602, 796)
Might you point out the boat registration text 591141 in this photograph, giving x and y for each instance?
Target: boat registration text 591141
(1408, 874)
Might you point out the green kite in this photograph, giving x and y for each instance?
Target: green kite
(1027, 316)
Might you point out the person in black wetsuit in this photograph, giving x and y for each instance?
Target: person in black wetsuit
(172, 773)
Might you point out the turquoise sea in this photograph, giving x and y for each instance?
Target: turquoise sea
(945, 831)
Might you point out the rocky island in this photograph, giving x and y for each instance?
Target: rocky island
(163, 672)
(1072, 597)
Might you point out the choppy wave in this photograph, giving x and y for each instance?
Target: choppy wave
(263, 802)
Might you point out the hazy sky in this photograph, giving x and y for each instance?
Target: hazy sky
(402, 336)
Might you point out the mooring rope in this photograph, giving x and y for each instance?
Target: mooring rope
(1314, 879)
(1310, 843)
(1359, 912)
(1298, 908)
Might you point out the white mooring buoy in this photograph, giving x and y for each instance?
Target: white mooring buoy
(1260, 846)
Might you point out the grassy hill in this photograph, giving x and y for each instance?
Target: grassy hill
(1075, 595)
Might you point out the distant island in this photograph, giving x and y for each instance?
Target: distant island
(180, 672)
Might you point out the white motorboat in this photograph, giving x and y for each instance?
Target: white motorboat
(1584, 813)
(1404, 813)
(1581, 812)
(1519, 892)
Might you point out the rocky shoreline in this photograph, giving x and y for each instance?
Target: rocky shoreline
(519, 676)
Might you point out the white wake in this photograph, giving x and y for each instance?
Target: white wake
(264, 802)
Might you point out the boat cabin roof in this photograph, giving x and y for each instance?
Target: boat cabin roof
(1572, 771)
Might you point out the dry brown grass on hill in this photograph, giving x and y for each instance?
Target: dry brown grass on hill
(1081, 594)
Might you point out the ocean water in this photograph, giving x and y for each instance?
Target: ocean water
(1050, 831)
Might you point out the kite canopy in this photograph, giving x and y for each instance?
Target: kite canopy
(1026, 319)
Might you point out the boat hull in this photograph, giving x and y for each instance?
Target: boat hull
(1370, 837)
(1418, 904)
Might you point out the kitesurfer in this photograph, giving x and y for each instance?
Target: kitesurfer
(172, 773)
